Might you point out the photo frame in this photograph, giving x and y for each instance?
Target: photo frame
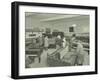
(32, 21)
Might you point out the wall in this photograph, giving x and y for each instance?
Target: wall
(82, 24)
(5, 40)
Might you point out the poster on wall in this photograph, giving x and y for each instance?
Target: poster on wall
(51, 40)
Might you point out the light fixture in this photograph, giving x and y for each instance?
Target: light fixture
(74, 25)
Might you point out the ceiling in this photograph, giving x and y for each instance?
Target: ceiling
(49, 16)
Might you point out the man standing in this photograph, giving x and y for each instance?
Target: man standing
(46, 42)
(79, 53)
(72, 40)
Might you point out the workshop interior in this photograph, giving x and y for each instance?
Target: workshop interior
(56, 40)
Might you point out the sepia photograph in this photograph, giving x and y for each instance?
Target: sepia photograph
(56, 40)
(50, 40)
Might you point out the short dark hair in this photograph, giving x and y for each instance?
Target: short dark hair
(74, 35)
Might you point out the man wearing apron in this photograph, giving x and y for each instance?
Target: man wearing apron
(79, 53)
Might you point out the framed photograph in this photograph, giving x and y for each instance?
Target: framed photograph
(50, 40)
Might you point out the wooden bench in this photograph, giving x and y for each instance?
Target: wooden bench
(36, 52)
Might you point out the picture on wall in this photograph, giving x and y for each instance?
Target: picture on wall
(51, 40)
